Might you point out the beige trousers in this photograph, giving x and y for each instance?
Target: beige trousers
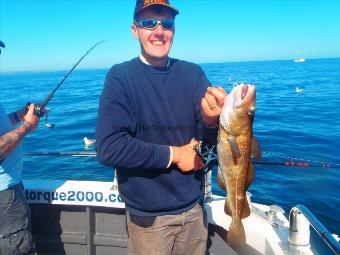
(181, 234)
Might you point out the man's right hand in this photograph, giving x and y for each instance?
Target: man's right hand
(185, 157)
(31, 118)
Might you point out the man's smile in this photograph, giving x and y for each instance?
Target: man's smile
(157, 42)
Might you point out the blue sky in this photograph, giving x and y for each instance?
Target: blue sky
(53, 34)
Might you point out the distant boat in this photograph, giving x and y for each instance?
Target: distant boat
(298, 90)
(88, 141)
(299, 60)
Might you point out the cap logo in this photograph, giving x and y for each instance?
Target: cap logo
(147, 2)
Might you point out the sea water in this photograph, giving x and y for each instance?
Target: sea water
(301, 126)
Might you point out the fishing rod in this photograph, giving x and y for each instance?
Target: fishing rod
(61, 153)
(211, 162)
(291, 163)
(40, 109)
(209, 157)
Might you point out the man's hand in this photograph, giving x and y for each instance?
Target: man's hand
(211, 105)
(31, 119)
(185, 158)
(11, 139)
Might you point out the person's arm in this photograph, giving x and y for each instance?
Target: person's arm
(11, 139)
(185, 157)
(116, 144)
(116, 127)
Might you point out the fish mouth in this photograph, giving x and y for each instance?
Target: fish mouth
(239, 105)
(245, 93)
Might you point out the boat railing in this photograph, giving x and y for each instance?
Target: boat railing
(300, 218)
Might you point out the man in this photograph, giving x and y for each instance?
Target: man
(15, 222)
(153, 110)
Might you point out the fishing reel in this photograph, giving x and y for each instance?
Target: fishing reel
(207, 153)
(40, 111)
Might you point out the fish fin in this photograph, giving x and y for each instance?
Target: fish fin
(226, 208)
(236, 234)
(245, 209)
(234, 147)
(220, 180)
(256, 149)
(250, 174)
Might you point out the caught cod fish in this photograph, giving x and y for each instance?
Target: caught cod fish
(235, 147)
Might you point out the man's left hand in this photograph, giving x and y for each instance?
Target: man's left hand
(211, 105)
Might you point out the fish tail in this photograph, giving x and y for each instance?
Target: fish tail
(236, 234)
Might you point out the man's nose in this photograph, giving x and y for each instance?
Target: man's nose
(159, 25)
(159, 29)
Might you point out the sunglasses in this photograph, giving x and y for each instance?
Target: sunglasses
(153, 23)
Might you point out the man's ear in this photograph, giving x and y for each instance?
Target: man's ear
(134, 31)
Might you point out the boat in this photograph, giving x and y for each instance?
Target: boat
(299, 60)
(88, 217)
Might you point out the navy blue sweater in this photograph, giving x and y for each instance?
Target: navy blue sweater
(143, 110)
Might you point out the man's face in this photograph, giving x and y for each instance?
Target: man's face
(155, 43)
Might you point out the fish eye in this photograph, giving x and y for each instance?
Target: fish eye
(251, 111)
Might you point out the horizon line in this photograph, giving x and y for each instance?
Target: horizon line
(198, 63)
